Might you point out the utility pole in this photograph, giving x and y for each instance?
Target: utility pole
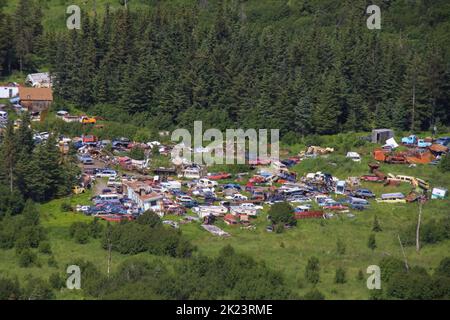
(413, 117)
(403, 252)
(418, 225)
(108, 232)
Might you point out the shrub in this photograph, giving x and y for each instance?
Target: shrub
(137, 153)
(56, 281)
(371, 242)
(9, 289)
(282, 213)
(27, 258)
(79, 231)
(52, 262)
(314, 294)
(134, 237)
(149, 218)
(340, 276)
(376, 225)
(66, 207)
(37, 289)
(340, 247)
(444, 165)
(45, 247)
(360, 276)
(312, 270)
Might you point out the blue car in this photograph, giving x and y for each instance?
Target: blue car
(190, 204)
(445, 141)
(364, 193)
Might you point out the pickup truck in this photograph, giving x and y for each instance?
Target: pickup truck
(421, 143)
(410, 140)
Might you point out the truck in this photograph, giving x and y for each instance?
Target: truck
(78, 190)
(88, 120)
(423, 143)
(410, 140)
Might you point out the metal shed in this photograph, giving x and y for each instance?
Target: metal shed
(381, 135)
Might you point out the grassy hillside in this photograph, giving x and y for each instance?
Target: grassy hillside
(287, 252)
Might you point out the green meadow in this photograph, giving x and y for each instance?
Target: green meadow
(287, 252)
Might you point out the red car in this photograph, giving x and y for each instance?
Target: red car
(259, 162)
(372, 178)
(308, 215)
(219, 176)
(336, 207)
(257, 179)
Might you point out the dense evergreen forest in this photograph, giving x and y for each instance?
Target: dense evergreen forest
(304, 66)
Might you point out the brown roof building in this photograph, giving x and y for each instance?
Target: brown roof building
(35, 99)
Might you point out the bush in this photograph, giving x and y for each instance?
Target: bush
(9, 289)
(360, 276)
(390, 266)
(149, 218)
(282, 213)
(340, 247)
(137, 153)
(444, 165)
(371, 242)
(376, 225)
(431, 232)
(52, 262)
(135, 237)
(340, 276)
(82, 231)
(312, 270)
(444, 267)
(37, 289)
(27, 258)
(279, 228)
(95, 229)
(66, 207)
(45, 247)
(56, 281)
(314, 294)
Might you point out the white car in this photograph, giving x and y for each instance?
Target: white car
(237, 197)
(82, 208)
(184, 199)
(44, 135)
(251, 206)
(299, 199)
(207, 183)
(107, 174)
(353, 156)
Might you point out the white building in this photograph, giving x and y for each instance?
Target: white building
(39, 80)
(8, 91)
(144, 197)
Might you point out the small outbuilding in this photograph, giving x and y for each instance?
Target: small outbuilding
(381, 135)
